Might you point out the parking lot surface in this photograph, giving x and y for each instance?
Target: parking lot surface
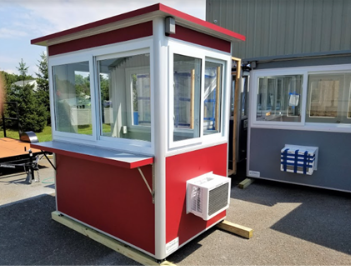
(293, 225)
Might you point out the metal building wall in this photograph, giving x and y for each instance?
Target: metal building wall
(279, 28)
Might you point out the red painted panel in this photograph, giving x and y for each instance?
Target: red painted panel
(179, 169)
(120, 35)
(196, 37)
(112, 199)
(98, 23)
(139, 12)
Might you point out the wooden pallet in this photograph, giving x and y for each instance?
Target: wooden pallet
(121, 248)
(130, 252)
(245, 183)
(235, 229)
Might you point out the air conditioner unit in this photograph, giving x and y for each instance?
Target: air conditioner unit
(208, 195)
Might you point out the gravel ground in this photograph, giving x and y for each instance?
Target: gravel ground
(293, 225)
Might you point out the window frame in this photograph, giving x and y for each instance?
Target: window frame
(129, 71)
(254, 91)
(223, 79)
(303, 125)
(197, 51)
(345, 91)
(132, 47)
(64, 60)
(124, 143)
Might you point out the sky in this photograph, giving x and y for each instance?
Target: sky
(24, 20)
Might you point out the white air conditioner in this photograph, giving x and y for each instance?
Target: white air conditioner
(207, 195)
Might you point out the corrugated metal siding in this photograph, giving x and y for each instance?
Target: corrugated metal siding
(284, 27)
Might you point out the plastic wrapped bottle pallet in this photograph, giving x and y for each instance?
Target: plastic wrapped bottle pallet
(298, 160)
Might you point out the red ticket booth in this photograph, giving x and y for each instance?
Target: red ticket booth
(140, 113)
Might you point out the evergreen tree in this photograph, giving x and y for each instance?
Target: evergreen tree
(32, 113)
(22, 69)
(2, 95)
(43, 85)
(105, 88)
(9, 79)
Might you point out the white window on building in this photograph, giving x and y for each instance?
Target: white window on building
(72, 98)
(212, 97)
(186, 89)
(328, 98)
(279, 98)
(125, 94)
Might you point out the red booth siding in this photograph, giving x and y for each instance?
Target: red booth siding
(109, 198)
(135, 32)
(115, 36)
(179, 169)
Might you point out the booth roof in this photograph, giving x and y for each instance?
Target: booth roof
(135, 17)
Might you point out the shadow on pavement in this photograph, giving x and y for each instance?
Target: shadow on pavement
(321, 219)
(28, 236)
(189, 248)
(323, 216)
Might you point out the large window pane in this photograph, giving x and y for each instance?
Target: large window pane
(328, 98)
(72, 99)
(279, 98)
(187, 84)
(212, 98)
(141, 94)
(125, 109)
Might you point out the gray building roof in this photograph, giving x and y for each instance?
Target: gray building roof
(285, 28)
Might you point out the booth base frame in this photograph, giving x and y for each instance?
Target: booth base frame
(129, 251)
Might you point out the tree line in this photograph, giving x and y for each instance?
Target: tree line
(31, 106)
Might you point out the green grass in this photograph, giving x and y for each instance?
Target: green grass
(43, 136)
(88, 130)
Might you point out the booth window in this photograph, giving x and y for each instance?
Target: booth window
(279, 98)
(72, 98)
(212, 98)
(329, 98)
(125, 109)
(187, 86)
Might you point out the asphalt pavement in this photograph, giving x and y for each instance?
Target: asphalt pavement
(293, 225)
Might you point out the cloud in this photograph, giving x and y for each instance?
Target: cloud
(10, 71)
(7, 59)
(23, 20)
(65, 14)
(7, 33)
(41, 17)
(33, 69)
